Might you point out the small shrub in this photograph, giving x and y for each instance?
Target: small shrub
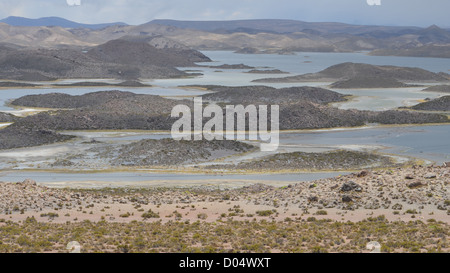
(150, 214)
(321, 212)
(265, 212)
(202, 216)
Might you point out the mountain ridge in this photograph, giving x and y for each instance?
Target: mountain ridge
(54, 21)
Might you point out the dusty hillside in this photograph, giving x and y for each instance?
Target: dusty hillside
(266, 35)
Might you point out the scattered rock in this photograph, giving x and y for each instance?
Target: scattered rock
(350, 186)
(430, 176)
(346, 199)
(29, 182)
(415, 185)
(409, 176)
(363, 174)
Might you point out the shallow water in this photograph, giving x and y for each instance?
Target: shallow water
(426, 142)
(384, 99)
(294, 64)
(430, 142)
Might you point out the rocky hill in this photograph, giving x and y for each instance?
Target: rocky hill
(5, 117)
(300, 108)
(141, 53)
(117, 110)
(18, 137)
(62, 100)
(270, 95)
(428, 51)
(357, 71)
(297, 110)
(169, 152)
(17, 84)
(122, 59)
(438, 88)
(439, 104)
(369, 82)
(334, 160)
(307, 115)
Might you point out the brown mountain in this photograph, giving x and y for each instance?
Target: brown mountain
(284, 35)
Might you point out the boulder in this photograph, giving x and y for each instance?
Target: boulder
(363, 173)
(346, 199)
(29, 182)
(351, 186)
(415, 185)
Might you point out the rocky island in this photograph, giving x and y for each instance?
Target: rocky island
(300, 108)
(358, 75)
(439, 104)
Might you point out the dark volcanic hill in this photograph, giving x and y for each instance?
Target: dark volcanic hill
(306, 115)
(123, 110)
(122, 59)
(369, 82)
(140, 53)
(101, 110)
(346, 71)
(18, 137)
(438, 88)
(4, 117)
(270, 95)
(439, 104)
(61, 100)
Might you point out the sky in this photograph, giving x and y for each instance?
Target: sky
(391, 12)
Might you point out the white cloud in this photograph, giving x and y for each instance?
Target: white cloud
(73, 2)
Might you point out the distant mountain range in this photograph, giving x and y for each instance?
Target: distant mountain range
(249, 26)
(278, 26)
(53, 21)
(243, 36)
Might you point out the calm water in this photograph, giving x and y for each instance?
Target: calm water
(295, 64)
(427, 142)
(384, 99)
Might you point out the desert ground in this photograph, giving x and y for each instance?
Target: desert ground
(405, 209)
